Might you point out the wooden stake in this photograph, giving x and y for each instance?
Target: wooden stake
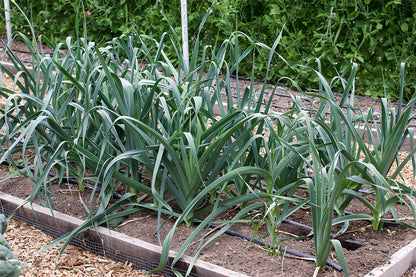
(184, 17)
(7, 15)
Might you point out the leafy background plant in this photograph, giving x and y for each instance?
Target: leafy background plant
(377, 35)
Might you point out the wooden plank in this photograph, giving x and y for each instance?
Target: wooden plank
(399, 263)
(110, 239)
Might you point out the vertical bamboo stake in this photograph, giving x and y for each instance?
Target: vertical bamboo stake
(7, 15)
(184, 17)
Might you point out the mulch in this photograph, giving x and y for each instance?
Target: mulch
(26, 241)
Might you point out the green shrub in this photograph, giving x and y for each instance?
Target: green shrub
(377, 35)
(9, 265)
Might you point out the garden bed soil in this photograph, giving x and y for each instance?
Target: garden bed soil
(235, 253)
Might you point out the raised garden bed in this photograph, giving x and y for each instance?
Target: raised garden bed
(103, 241)
(368, 249)
(228, 252)
(400, 263)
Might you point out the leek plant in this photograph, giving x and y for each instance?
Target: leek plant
(358, 134)
(336, 147)
(98, 110)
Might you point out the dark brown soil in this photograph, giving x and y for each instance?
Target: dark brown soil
(236, 253)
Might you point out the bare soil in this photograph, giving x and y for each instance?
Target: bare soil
(236, 253)
(240, 255)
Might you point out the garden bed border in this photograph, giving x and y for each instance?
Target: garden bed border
(109, 241)
(398, 264)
